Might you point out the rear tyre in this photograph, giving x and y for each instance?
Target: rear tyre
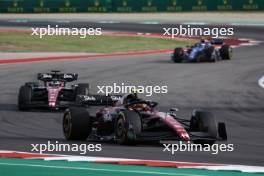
(222, 131)
(128, 126)
(204, 121)
(81, 89)
(77, 124)
(24, 98)
(210, 55)
(178, 55)
(226, 52)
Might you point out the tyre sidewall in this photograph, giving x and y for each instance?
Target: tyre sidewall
(204, 121)
(178, 55)
(80, 123)
(132, 127)
(24, 97)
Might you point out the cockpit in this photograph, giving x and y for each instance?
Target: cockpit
(132, 101)
(55, 84)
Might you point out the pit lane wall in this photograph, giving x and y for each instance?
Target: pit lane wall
(55, 6)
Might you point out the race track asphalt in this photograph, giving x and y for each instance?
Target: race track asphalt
(228, 88)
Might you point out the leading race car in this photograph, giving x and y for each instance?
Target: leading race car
(130, 120)
(52, 91)
(204, 51)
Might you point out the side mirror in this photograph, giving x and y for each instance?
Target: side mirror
(174, 109)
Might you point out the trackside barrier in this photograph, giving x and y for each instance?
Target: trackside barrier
(55, 6)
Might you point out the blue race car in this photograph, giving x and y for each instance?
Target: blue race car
(204, 51)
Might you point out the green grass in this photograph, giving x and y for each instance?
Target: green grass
(24, 42)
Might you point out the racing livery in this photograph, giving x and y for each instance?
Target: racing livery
(130, 120)
(204, 51)
(51, 91)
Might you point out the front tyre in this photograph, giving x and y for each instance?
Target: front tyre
(178, 55)
(128, 126)
(226, 52)
(77, 124)
(24, 98)
(204, 121)
(210, 54)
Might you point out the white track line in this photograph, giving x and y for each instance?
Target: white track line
(108, 22)
(242, 168)
(96, 169)
(18, 21)
(194, 23)
(247, 24)
(63, 21)
(149, 22)
(261, 82)
(228, 167)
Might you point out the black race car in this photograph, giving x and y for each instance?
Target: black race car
(129, 120)
(51, 91)
(204, 51)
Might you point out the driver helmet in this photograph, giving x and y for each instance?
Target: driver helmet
(130, 98)
(140, 106)
(202, 40)
(55, 83)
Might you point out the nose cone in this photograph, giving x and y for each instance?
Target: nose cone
(52, 104)
(185, 136)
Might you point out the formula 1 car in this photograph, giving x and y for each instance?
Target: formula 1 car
(51, 91)
(130, 120)
(204, 51)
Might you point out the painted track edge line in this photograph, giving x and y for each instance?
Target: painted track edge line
(123, 161)
(261, 82)
(97, 169)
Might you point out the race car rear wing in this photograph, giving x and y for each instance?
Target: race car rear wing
(98, 100)
(67, 77)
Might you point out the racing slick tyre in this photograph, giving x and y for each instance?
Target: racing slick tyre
(24, 97)
(204, 121)
(128, 126)
(226, 52)
(76, 123)
(210, 54)
(32, 84)
(178, 55)
(81, 89)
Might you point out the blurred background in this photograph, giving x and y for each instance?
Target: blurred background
(45, 6)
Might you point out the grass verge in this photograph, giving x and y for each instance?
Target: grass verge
(24, 42)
